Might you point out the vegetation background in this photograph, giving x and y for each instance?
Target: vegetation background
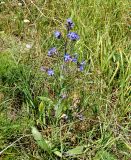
(98, 99)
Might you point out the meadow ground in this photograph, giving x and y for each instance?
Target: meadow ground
(71, 115)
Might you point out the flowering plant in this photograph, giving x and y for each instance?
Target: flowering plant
(68, 63)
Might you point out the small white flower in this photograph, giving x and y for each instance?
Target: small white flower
(64, 116)
(19, 4)
(26, 21)
(28, 46)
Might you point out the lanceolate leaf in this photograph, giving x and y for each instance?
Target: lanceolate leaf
(75, 151)
(40, 141)
(45, 99)
(56, 152)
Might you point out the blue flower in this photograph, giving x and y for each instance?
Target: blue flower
(67, 57)
(70, 24)
(50, 72)
(57, 34)
(83, 63)
(51, 51)
(74, 60)
(73, 36)
(81, 66)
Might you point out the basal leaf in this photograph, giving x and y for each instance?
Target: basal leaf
(75, 151)
(39, 139)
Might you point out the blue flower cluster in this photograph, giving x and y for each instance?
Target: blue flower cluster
(67, 57)
(57, 34)
(50, 72)
(70, 24)
(52, 51)
(73, 37)
(81, 66)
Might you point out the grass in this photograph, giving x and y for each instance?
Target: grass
(30, 128)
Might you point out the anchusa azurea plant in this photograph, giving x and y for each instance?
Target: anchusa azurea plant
(66, 65)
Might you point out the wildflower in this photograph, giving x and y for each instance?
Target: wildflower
(73, 36)
(67, 57)
(70, 24)
(19, 4)
(83, 63)
(26, 21)
(28, 46)
(81, 66)
(51, 51)
(50, 72)
(74, 59)
(57, 34)
(81, 117)
(64, 116)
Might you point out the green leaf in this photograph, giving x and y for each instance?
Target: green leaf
(59, 109)
(41, 107)
(45, 99)
(75, 151)
(42, 115)
(57, 153)
(40, 141)
(127, 145)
